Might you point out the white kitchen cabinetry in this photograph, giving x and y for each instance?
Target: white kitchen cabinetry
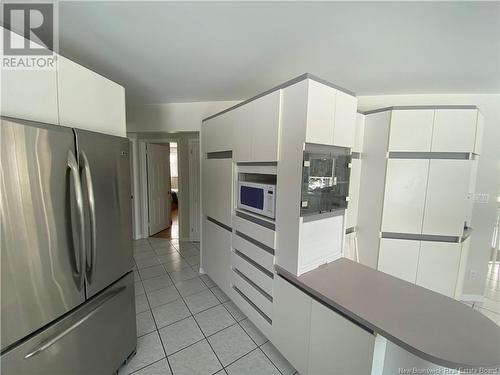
(351, 213)
(447, 197)
(353, 354)
(399, 258)
(256, 129)
(29, 94)
(292, 321)
(217, 192)
(442, 279)
(429, 173)
(89, 101)
(345, 119)
(411, 130)
(331, 116)
(454, 130)
(217, 254)
(404, 198)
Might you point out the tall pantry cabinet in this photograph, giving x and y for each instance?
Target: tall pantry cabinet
(425, 219)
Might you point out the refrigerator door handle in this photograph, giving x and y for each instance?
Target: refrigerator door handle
(80, 254)
(92, 255)
(94, 307)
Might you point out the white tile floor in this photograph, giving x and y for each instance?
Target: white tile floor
(490, 307)
(186, 325)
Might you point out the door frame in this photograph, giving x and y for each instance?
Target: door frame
(193, 188)
(143, 182)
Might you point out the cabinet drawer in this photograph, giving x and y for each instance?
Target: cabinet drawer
(263, 257)
(399, 258)
(256, 231)
(264, 324)
(258, 297)
(256, 273)
(76, 343)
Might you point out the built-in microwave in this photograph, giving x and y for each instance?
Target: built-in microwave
(257, 197)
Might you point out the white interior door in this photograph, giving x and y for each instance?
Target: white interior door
(194, 188)
(159, 196)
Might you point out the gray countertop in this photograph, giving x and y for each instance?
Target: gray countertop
(430, 325)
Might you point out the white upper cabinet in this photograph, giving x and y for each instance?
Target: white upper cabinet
(478, 143)
(320, 113)
(265, 125)
(89, 101)
(29, 94)
(344, 131)
(331, 116)
(411, 130)
(406, 182)
(446, 202)
(360, 132)
(217, 133)
(256, 129)
(454, 130)
(242, 146)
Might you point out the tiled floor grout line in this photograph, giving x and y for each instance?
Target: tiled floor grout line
(210, 286)
(157, 330)
(203, 333)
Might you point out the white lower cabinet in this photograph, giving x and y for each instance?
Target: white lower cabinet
(336, 345)
(399, 258)
(291, 324)
(216, 254)
(438, 266)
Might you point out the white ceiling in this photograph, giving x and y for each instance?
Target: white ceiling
(182, 51)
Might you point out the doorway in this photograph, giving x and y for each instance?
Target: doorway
(172, 231)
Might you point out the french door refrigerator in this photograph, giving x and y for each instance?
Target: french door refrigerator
(67, 290)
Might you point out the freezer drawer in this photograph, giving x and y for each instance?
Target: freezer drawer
(94, 339)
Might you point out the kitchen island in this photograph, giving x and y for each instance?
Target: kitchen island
(398, 324)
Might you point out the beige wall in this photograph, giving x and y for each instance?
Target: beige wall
(488, 175)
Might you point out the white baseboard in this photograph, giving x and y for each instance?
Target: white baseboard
(472, 297)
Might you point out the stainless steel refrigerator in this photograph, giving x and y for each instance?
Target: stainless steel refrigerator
(67, 302)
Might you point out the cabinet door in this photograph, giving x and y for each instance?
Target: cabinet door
(218, 189)
(454, 130)
(447, 201)
(438, 266)
(29, 94)
(89, 101)
(320, 113)
(291, 323)
(344, 130)
(404, 197)
(338, 346)
(265, 124)
(360, 132)
(243, 134)
(411, 130)
(216, 254)
(399, 258)
(218, 133)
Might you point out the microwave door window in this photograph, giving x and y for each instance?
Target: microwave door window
(252, 197)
